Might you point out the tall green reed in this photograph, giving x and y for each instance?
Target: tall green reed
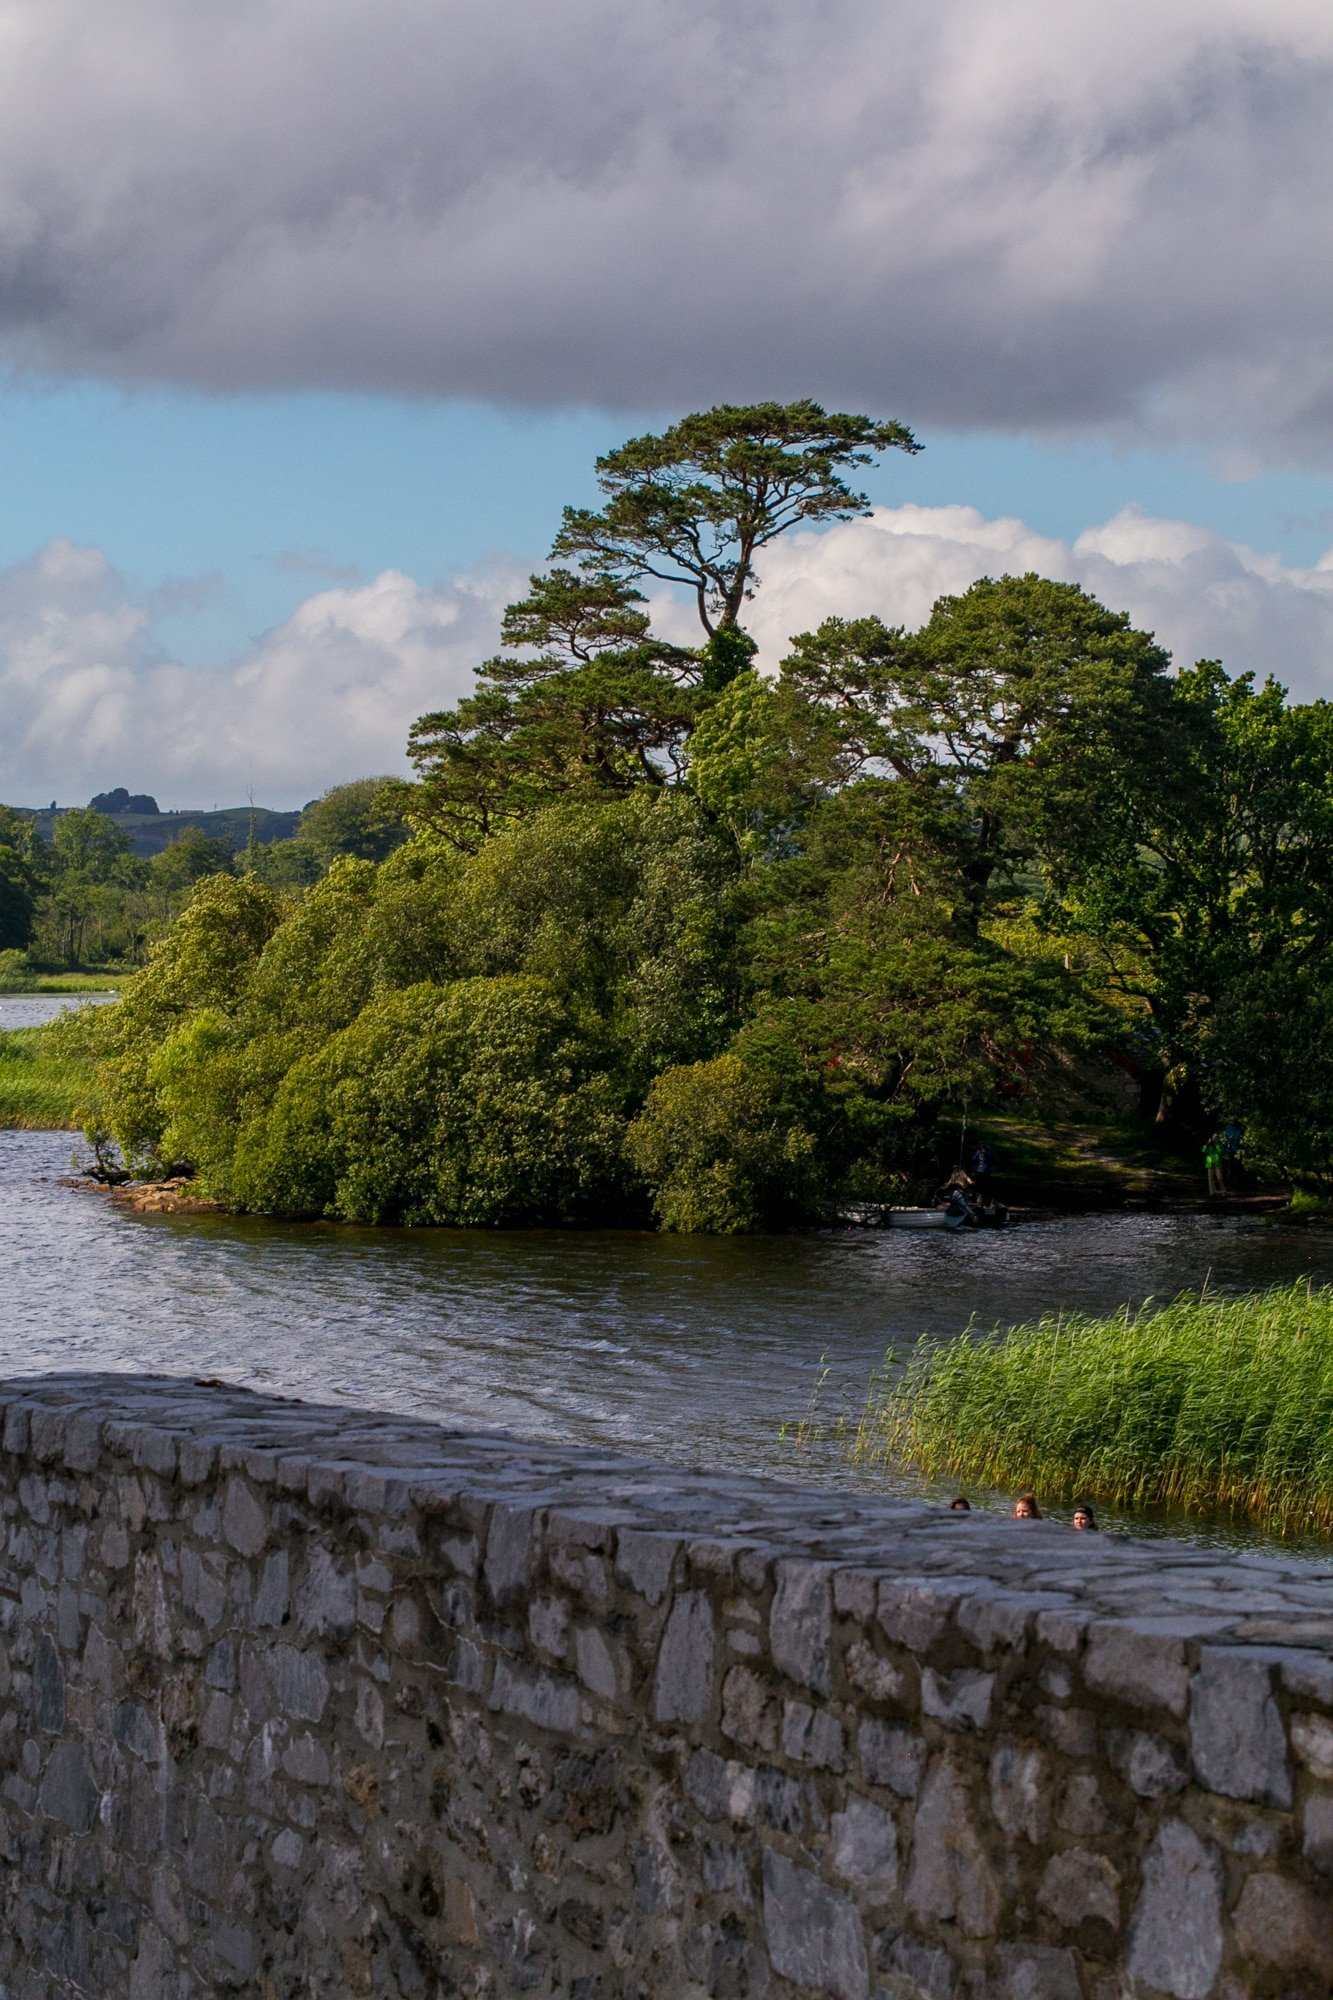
(40, 1090)
(1209, 1403)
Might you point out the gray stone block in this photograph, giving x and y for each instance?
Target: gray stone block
(891, 1756)
(1150, 1766)
(800, 1624)
(863, 1841)
(67, 1791)
(960, 1700)
(1175, 1939)
(814, 1936)
(950, 1880)
(1033, 1972)
(244, 1518)
(683, 1684)
(1237, 1741)
(299, 1680)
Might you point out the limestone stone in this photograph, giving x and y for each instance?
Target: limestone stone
(540, 1698)
(914, 1611)
(813, 1736)
(872, 1675)
(1071, 1731)
(1237, 1741)
(1312, 1740)
(891, 1756)
(325, 1602)
(864, 1843)
(1317, 1831)
(1285, 1925)
(548, 1625)
(1081, 1810)
(1020, 1791)
(1150, 1765)
(299, 1680)
(244, 1518)
(48, 1688)
(599, 1662)
(960, 1700)
(683, 1685)
(706, 1784)
(1034, 1972)
(1140, 1661)
(1078, 1886)
(950, 1879)
(814, 1935)
(750, 1713)
(508, 1547)
(801, 1623)
(67, 1792)
(1175, 1939)
(274, 1593)
(645, 1561)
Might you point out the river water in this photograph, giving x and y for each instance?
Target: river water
(692, 1349)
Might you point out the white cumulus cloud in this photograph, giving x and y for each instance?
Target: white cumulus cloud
(90, 698)
(1204, 597)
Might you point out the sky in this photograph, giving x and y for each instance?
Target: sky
(313, 315)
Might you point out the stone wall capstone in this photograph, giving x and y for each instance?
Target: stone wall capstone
(320, 1702)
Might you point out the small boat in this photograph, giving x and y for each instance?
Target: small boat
(922, 1218)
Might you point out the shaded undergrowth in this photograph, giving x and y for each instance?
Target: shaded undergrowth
(1212, 1404)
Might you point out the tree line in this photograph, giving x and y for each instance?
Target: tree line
(83, 898)
(674, 938)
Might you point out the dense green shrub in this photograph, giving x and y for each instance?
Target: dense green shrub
(720, 1157)
(476, 1103)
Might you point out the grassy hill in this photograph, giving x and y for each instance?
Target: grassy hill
(149, 833)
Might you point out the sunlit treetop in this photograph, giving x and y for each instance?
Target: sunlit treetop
(696, 504)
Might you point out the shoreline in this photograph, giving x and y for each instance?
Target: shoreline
(172, 1197)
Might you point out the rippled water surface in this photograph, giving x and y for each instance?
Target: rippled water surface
(31, 1010)
(690, 1349)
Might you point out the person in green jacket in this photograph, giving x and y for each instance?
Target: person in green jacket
(1212, 1159)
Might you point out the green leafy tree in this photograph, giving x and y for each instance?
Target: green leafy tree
(697, 504)
(476, 1104)
(720, 1152)
(1029, 703)
(591, 708)
(203, 965)
(89, 873)
(173, 873)
(1225, 880)
(19, 880)
(589, 702)
(1268, 1062)
(356, 819)
(283, 864)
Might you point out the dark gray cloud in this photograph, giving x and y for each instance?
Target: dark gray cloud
(1011, 212)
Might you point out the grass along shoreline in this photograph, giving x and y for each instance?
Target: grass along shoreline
(1209, 1403)
(23, 985)
(41, 1090)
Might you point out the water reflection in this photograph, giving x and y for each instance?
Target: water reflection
(689, 1349)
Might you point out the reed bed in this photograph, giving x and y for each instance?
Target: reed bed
(41, 1089)
(1215, 1404)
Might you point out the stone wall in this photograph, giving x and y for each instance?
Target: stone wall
(314, 1702)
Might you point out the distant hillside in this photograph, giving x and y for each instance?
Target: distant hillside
(149, 833)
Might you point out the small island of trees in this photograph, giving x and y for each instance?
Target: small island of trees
(656, 936)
